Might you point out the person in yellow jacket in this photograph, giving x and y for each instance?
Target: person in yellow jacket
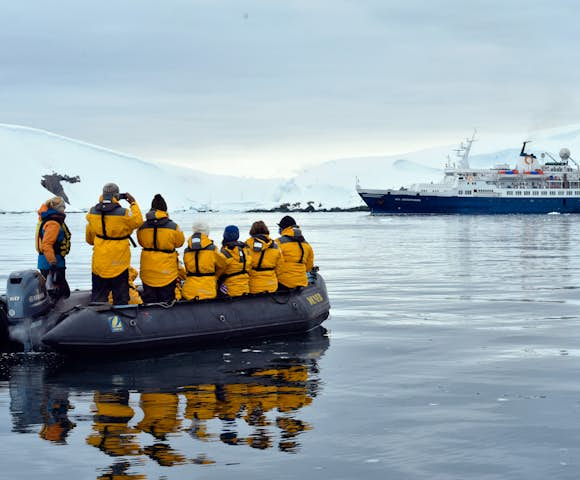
(235, 280)
(159, 236)
(204, 264)
(108, 229)
(266, 257)
(134, 295)
(298, 255)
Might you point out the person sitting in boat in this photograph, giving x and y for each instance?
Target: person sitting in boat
(297, 254)
(235, 280)
(159, 236)
(53, 244)
(134, 295)
(266, 257)
(109, 229)
(204, 265)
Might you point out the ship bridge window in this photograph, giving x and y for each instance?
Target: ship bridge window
(536, 193)
(527, 193)
(518, 192)
(509, 193)
(553, 193)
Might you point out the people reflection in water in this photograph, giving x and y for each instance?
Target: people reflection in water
(258, 408)
(284, 389)
(120, 471)
(111, 431)
(33, 401)
(56, 423)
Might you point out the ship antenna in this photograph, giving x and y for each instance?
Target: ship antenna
(467, 150)
(523, 152)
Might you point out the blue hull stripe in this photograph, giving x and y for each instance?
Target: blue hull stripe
(395, 203)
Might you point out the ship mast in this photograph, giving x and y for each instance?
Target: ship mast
(464, 150)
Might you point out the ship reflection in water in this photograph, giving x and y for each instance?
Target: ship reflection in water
(243, 396)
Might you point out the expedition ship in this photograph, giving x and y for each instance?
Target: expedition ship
(535, 185)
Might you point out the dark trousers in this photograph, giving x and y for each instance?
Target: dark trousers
(119, 285)
(159, 294)
(61, 287)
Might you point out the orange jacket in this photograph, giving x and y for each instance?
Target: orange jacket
(50, 234)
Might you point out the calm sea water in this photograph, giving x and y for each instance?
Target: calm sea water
(452, 352)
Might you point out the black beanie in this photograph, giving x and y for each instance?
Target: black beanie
(286, 222)
(158, 203)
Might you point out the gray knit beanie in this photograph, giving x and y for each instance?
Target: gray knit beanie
(111, 189)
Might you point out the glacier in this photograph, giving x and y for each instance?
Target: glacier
(30, 153)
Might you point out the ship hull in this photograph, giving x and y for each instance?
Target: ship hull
(401, 203)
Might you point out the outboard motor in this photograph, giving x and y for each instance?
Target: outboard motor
(3, 320)
(26, 296)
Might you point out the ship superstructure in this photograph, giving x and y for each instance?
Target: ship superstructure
(533, 185)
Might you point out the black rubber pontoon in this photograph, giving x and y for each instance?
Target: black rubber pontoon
(106, 328)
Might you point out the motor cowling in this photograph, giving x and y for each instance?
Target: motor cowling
(26, 295)
(3, 320)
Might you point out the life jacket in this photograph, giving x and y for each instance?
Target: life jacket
(259, 247)
(110, 208)
(226, 251)
(296, 238)
(156, 224)
(62, 244)
(195, 247)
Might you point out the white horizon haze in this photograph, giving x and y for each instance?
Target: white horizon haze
(266, 89)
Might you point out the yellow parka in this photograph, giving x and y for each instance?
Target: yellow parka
(204, 265)
(108, 230)
(236, 278)
(266, 257)
(298, 258)
(159, 236)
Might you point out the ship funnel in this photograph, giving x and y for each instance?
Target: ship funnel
(564, 153)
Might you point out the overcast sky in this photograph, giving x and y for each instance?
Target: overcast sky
(267, 87)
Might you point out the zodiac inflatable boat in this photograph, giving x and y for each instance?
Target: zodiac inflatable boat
(77, 326)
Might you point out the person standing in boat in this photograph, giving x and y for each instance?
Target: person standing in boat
(53, 244)
(266, 256)
(159, 236)
(235, 280)
(204, 265)
(297, 254)
(109, 230)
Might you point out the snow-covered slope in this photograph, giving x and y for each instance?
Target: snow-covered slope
(335, 180)
(30, 153)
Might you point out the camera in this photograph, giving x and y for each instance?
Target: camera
(122, 196)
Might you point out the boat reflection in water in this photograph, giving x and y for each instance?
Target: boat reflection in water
(247, 396)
